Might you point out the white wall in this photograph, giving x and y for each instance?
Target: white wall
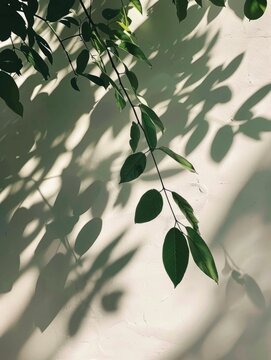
(211, 84)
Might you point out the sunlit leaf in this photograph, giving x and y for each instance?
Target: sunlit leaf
(134, 50)
(36, 60)
(201, 254)
(149, 130)
(186, 209)
(149, 207)
(180, 159)
(175, 255)
(254, 9)
(153, 116)
(121, 103)
(133, 167)
(134, 136)
(137, 5)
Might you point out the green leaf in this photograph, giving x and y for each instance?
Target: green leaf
(132, 79)
(58, 8)
(137, 4)
(181, 7)
(86, 31)
(135, 136)
(218, 2)
(10, 62)
(82, 61)
(201, 254)
(95, 79)
(44, 47)
(36, 60)
(149, 207)
(254, 9)
(133, 167)
(74, 84)
(109, 14)
(199, 2)
(175, 255)
(134, 50)
(186, 209)
(87, 236)
(181, 160)
(9, 92)
(121, 103)
(153, 116)
(149, 130)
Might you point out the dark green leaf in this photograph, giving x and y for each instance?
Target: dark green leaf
(218, 2)
(95, 79)
(199, 2)
(121, 35)
(34, 59)
(9, 92)
(109, 14)
(137, 5)
(86, 31)
(87, 236)
(153, 116)
(181, 6)
(149, 130)
(18, 25)
(74, 84)
(149, 207)
(132, 78)
(71, 20)
(133, 167)
(10, 62)
(201, 254)
(58, 8)
(181, 160)
(254, 9)
(175, 255)
(121, 103)
(135, 136)
(82, 61)
(186, 209)
(134, 50)
(44, 47)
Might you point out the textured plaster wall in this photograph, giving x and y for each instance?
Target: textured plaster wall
(211, 84)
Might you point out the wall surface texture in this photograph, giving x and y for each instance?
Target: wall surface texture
(211, 83)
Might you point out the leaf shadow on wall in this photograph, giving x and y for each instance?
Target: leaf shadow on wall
(30, 148)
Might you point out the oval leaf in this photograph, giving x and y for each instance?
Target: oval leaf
(175, 255)
(254, 9)
(180, 159)
(137, 5)
(134, 50)
(156, 120)
(82, 61)
(9, 92)
(181, 7)
(201, 254)
(186, 209)
(87, 236)
(58, 8)
(149, 207)
(133, 167)
(135, 136)
(149, 130)
(10, 62)
(86, 31)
